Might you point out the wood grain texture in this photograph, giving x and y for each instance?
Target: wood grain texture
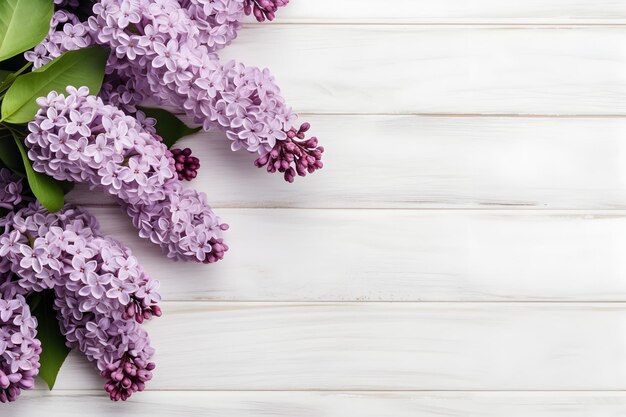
(453, 11)
(399, 255)
(338, 297)
(323, 404)
(429, 162)
(442, 69)
(381, 346)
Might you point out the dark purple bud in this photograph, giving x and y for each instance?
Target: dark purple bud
(293, 155)
(186, 165)
(263, 9)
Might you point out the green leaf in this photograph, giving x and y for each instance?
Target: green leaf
(23, 24)
(53, 348)
(48, 191)
(168, 126)
(84, 67)
(10, 154)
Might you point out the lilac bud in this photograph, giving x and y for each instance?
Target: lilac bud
(186, 165)
(263, 9)
(291, 155)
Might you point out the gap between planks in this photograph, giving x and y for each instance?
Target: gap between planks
(522, 25)
(64, 391)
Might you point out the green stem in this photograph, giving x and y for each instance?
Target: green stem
(9, 80)
(13, 131)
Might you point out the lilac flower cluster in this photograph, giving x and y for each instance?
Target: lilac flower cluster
(162, 44)
(64, 251)
(120, 347)
(19, 347)
(102, 296)
(165, 50)
(76, 137)
(79, 138)
(182, 224)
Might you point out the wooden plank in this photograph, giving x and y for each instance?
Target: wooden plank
(429, 162)
(382, 255)
(442, 69)
(453, 11)
(382, 346)
(323, 404)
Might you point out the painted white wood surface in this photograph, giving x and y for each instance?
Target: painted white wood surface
(339, 298)
(453, 11)
(325, 404)
(399, 255)
(381, 346)
(443, 69)
(430, 162)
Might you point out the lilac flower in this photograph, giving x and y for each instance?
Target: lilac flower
(120, 290)
(96, 286)
(7, 307)
(82, 270)
(9, 243)
(166, 55)
(79, 123)
(130, 163)
(129, 46)
(99, 150)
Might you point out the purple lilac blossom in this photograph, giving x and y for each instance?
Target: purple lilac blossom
(165, 50)
(19, 347)
(182, 224)
(99, 319)
(64, 250)
(180, 70)
(78, 138)
(120, 348)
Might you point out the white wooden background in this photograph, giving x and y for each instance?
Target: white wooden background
(463, 253)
